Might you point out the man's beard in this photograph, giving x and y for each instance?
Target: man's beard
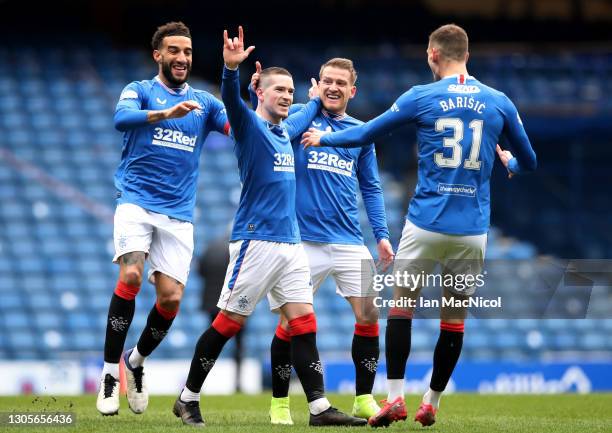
(167, 71)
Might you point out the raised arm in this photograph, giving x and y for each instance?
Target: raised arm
(234, 54)
(299, 121)
(253, 85)
(523, 159)
(217, 118)
(400, 113)
(130, 115)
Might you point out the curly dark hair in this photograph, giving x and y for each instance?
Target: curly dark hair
(175, 28)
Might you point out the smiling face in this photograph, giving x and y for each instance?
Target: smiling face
(336, 87)
(275, 94)
(174, 59)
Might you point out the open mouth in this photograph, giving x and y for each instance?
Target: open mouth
(332, 97)
(179, 69)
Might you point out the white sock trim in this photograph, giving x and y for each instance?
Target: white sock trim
(136, 359)
(319, 405)
(432, 397)
(187, 395)
(112, 369)
(396, 389)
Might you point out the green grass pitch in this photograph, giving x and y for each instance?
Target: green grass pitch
(241, 413)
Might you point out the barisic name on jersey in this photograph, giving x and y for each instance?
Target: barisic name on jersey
(462, 101)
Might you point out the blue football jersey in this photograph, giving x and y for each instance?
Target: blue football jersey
(459, 123)
(160, 161)
(267, 167)
(327, 181)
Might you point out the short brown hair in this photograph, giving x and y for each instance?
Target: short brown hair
(451, 40)
(273, 70)
(340, 63)
(175, 28)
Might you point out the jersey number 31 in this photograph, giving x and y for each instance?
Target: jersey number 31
(454, 142)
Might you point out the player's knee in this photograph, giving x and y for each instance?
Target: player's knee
(292, 310)
(132, 277)
(305, 324)
(283, 323)
(282, 330)
(452, 320)
(228, 324)
(367, 317)
(453, 315)
(170, 302)
(126, 291)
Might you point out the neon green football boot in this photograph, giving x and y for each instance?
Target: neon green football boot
(279, 411)
(365, 406)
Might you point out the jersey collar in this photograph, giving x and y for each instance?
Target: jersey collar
(180, 91)
(333, 116)
(275, 128)
(461, 78)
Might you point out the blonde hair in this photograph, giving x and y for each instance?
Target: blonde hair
(340, 63)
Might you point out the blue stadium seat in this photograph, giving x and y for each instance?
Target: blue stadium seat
(42, 301)
(21, 339)
(50, 319)
(11, 301)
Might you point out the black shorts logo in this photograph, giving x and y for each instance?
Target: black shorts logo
(251, 227)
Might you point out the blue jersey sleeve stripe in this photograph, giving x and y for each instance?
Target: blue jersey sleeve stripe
(238, 265)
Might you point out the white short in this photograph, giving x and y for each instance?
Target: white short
(352, 266)
(168, 242)
(421, 250)
(259, 268)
